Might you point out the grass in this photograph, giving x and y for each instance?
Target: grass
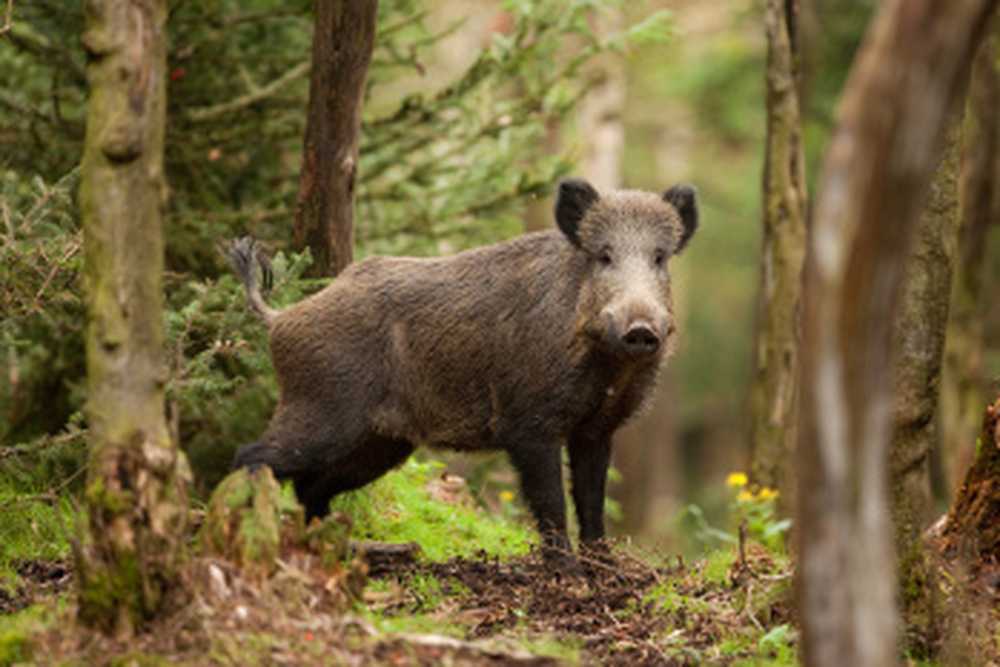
(31, 529)
(397, 508)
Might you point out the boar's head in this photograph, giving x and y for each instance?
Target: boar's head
(625, 239)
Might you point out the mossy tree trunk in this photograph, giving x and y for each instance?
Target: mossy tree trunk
(963, 391)
(918, 335)
(343, 39)
(128, 555)
(774, 392)
(875, 179)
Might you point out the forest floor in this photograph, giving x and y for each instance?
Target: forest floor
(618, 610)
(475, 593)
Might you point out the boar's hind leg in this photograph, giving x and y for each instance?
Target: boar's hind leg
(588, 460)
(371, 459)
(540, 469)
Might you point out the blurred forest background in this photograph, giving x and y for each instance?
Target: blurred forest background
(473, 111)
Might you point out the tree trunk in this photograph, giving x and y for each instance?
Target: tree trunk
(601, 111)
(774, 392)
(963, 392)
(878, 166)
(132, 543)
(343, 39)
(918, 345)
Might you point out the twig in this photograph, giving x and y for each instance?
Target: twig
(199, 114)
(18, 450)
(748, 607)
(73, 248)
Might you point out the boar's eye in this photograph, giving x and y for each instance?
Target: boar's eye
(659, 257)
(604, 257)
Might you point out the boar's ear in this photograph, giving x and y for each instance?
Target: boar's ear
(574, 198)
(684, 198)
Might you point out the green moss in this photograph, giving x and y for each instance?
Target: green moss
(115, 502)
(717, 566)
(398, 508)
(17, 630)
(104, 590)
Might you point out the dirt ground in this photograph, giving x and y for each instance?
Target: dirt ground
(38, 579)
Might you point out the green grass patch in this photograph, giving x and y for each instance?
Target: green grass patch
(31, 529)
(398, 508)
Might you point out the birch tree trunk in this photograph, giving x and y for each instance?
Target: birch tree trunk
(774, 392)
(873, 185)
(343, 39)
(128, 555)
(963, 392)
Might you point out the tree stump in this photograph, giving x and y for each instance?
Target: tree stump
(972, 529)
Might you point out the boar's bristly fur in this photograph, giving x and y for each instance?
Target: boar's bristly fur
(554, 338)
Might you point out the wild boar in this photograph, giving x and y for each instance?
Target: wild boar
(553, 338)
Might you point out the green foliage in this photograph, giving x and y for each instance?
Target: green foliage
(441, 161)
(397, 508)
(756, 510)
(222, 389)
(41, 331)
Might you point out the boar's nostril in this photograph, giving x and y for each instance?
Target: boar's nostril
(641, 339)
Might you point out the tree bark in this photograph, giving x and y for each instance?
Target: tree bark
(343, 39)
(889, 132)
(128, 556)
(963, 392)
(918, 344)
(774, 392)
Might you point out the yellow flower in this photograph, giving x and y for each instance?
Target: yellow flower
(506, 496)
(767, 493)
(744, 496)
(736, 480)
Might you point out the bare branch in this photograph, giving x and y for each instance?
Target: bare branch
(200, 114)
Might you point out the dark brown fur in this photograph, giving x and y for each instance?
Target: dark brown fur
(512, 346)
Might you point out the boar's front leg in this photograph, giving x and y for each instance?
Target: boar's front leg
(589, 456)
(540, 468)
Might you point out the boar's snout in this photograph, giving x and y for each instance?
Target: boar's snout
(636, 334)
(641, 339)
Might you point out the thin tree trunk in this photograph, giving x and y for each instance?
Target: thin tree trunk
(918, 345)
(128, 556)
(774, 392)
(963, 392)
(601, 111)
(878, 166)
(343, 39)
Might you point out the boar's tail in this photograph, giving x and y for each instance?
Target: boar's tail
(244, 255)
